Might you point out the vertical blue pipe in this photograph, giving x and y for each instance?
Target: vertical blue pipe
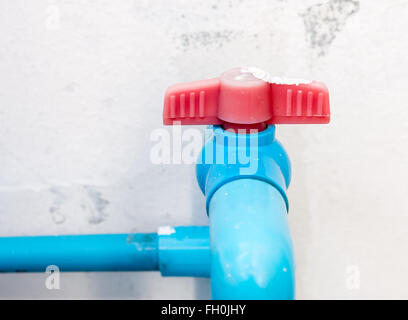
(251, 248)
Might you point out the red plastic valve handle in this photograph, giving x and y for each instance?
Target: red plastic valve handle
(241, 97)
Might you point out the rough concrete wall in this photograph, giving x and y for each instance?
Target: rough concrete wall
(81, 87)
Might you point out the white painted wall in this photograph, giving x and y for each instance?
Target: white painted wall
(81, 88)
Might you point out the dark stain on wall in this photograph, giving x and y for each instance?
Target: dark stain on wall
(55, 208)
(99, 204)
(199, 39)
(324, 21)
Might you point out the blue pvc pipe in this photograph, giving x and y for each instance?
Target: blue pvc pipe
(108, 252)
(251, 248)
(185, 251)
(180, 251)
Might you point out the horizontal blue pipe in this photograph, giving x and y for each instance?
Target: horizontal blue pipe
(179, 251)
(107, 252)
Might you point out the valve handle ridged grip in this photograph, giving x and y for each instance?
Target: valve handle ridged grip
(239, 97)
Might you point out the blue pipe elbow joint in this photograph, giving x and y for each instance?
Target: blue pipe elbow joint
(244, 178)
